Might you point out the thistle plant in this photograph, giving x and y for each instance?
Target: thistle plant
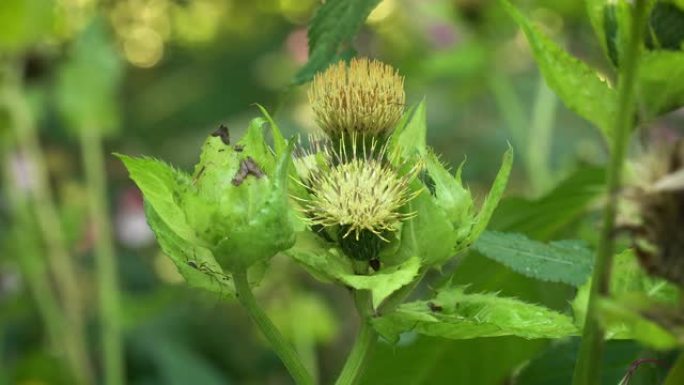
(366, 205)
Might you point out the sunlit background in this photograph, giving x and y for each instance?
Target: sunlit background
(155, 77)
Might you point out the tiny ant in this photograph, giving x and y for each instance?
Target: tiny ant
(223, 133)
(238, 148)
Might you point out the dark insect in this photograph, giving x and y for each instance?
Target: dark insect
(659, 240)
(222, 132)
(434, 307)
(374, 264)
(247, 167)
(238, 148)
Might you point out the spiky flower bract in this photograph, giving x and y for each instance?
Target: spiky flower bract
(365, 97)
(357, 192)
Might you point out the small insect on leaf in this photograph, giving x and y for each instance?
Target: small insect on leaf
(435, 308)
(238, 148)
(374, 264)
(247, 167)
(222, 132)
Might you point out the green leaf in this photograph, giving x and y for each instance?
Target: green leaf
(630, 319)
(160, 184)
(492, 199)
(331, 31)
(255, 146)
(438, 361)
(279, 142)
(196, 264)
(409, 138)
(429, 234)
(386, 281)
(557, 363)
(661, 82)
(456, 315)
(88, 82)
(576, 84)
(636, 291)
(449, 192)
(566, 203)
(561, 261)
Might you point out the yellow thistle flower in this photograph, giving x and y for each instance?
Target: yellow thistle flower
(360, 191)
(365, 97)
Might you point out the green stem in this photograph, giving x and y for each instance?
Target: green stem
(588, 368)
(364, 344)
(61, 264)
(106, 267)
(287, 354)
(538, 152)
(674, 377)
(30, 261)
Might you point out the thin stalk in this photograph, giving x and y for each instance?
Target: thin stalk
(106, 266)
(61, 264)
(674, 377)
(364, 344)
(282, 348)
(588, 367)
(31, 263)
(538, 152)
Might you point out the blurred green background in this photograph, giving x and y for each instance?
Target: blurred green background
(154, 77)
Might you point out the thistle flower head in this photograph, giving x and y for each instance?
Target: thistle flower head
(365, 97)
(360, 191)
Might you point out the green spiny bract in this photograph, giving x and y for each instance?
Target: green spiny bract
(237, 202)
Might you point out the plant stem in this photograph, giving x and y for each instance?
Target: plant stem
(106, 266)
(364, 344)
(674, 377)
(60, 262)
(30, 259)
(287, 354)
(588, 367)
(538, 148)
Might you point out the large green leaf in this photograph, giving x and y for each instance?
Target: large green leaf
(561, 261)
(579, 86)
(386, 281)
(331, 32)
(160, 185)
(544, 217)
(556, 364)
(438, 361)
(456, 315)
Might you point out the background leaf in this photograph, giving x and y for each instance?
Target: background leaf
(331, 31)
(544, 217)
(560, 261)
(575, 83)
(661, 82)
